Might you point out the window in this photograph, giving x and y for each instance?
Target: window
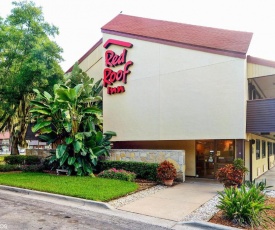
(258, 146)
(263, 149)
(273, 148)
(269, 148)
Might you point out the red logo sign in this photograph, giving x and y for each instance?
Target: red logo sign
(112, 60)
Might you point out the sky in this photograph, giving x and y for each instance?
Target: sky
(80, 21)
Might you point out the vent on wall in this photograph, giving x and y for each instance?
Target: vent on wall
(258, 171)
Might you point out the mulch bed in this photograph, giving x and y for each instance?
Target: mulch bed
(144, 184)
(218, 218)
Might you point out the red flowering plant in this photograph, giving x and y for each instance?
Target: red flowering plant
(166, 171)
(232, 174)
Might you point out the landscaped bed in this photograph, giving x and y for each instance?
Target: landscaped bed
(218, 218)
(99, 189)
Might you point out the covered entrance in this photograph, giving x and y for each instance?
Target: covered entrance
(212, 155)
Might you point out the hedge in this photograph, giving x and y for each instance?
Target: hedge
(32, 168)
(141, 169)
(8, 168)
(22, 160)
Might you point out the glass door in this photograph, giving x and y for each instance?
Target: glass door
(205, 158)
(212, 155)
(225, 152)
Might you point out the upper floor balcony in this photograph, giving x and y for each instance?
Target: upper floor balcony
(261, 97)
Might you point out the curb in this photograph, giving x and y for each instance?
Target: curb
(205, 225)
(80, 201)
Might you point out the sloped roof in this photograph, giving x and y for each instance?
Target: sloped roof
(260, 61)
(226, 42)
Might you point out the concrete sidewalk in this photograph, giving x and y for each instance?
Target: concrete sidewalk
(166, 208)
(269, 176)
(176, 202)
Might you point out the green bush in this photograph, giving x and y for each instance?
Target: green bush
(118, 174)
(32, 168)
(244, 206)
(32, 160)
(260, 185)
(14, 159)
(141, 169)
(48, 165)
(22, 160)
(8, 168)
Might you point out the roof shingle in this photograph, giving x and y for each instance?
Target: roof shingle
(179, 33)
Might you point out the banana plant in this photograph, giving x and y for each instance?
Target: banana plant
(72, 119)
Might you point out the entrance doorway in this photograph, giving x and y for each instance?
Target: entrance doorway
(212, 155)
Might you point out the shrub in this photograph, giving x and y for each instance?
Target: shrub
(72, 118)
(141, 169)
(48, 165)
(32, 168)
(229, 176)
(166, 171)
(32, 160)
(259, 185)
(232, 174)
(8, 168)
(22, 159)
(118, 174)
(238, 163)
(14, 159)
(244, 207)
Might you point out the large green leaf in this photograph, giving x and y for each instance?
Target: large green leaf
(68, 140)
(92, 110)
(41, 111)
(87, 134)
(83, 152)
(49, 137)
(86, 167)
(40, 125)
(110, 133)
(46, 130)
(98, 151)
(63, 158)
(78, 89)
(47, 95)
(39, 104)
(60, 150)
(53, 158)
(71, 160)
(79, 136)
(99, 138)
(77, 146)
(79, 172)
(93, 159)
(36, 91)
(68, 126)
(90, 143)
(77, 165)
(66, 95)
(91, 99)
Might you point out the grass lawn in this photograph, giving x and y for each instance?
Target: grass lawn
(99, 189)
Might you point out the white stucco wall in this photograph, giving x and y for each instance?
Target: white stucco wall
(93, 64)
(174, 93)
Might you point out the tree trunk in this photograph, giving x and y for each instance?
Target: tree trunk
(14, 145)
